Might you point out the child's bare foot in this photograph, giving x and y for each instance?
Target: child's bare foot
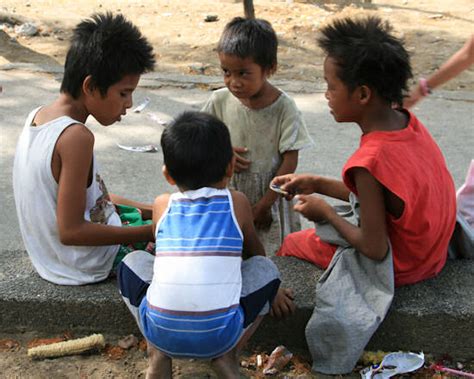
(283, 305)
(159, 365)
(226, 366)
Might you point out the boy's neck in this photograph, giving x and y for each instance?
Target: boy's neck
(64, 105)
(382, 117)
(267, 95)
(219, 185)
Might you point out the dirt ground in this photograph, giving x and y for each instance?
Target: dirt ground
(184, 43)
(116, 362)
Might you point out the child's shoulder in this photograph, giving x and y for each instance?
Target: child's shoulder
(238, 198)
(284, 103)
(221, 95)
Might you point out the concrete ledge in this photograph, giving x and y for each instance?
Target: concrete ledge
(436, 316)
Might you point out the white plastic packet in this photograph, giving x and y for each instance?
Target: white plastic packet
(142, 105)
(139, 149)
(394, 364)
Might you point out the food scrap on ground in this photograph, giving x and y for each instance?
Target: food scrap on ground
(71, 347)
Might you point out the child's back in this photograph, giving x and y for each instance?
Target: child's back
(200, 235)
(203, 299)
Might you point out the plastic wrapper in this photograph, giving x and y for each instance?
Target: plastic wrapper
(394, 364)
(277, 360)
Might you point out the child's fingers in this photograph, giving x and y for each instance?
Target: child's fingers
(240, 149)
(280, 180)
(289, 293)
(275, 311)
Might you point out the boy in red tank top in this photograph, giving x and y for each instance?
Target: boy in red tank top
(398, 173)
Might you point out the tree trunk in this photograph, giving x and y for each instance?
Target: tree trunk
(249, 10)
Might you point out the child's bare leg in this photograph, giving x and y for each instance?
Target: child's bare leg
(227, 366)
(159, 365)
(248, 333)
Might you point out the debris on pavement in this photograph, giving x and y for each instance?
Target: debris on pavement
(9, 344)
(211, 18)
(394, 364)
(27, 29)
(142, 105)
(114, 353)
(139, 149)
(128, 342)
(437, 367)
(372, 357)
(157, 119)
(277, 360)
(44, 341)
(71, 347)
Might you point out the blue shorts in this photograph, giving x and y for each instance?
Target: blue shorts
(260, 283)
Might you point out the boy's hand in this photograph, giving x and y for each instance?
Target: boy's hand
(312, 207)
(241, 164)
(262, 217)
(283, 305)
(296, 184)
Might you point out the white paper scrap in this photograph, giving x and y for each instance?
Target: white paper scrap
(142, 105)
(394, 364)
(139, 149)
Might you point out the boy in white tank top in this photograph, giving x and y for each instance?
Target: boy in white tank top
(67, 218)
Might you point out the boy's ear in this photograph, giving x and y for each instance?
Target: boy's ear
(167, 176)
(365, 94)
(229, 171)
(87, 85)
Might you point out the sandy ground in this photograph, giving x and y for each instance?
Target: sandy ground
(116, 362)
(184, 42)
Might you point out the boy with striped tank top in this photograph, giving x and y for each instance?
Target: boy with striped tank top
(197, 298)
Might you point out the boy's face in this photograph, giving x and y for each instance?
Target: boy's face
(243, 77)
(342, 103)
(111, 107)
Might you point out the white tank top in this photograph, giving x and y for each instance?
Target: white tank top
(35, 191)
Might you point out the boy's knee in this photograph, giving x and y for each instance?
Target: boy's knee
(261, 264)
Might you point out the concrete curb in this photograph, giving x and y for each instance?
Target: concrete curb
(436, 316)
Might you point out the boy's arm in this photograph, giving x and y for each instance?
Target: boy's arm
(243, 212)
(307, 184)
(261, 209)
(75, 149)
(371, 237)
(145, 209)
(159, 207)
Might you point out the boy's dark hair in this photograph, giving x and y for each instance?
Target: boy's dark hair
(367, 54)
(254, 38)
(107, 47)
(196, 149)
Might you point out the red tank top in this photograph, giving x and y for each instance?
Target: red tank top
(410, 164)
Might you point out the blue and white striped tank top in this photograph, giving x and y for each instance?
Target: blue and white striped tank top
(192, 305)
